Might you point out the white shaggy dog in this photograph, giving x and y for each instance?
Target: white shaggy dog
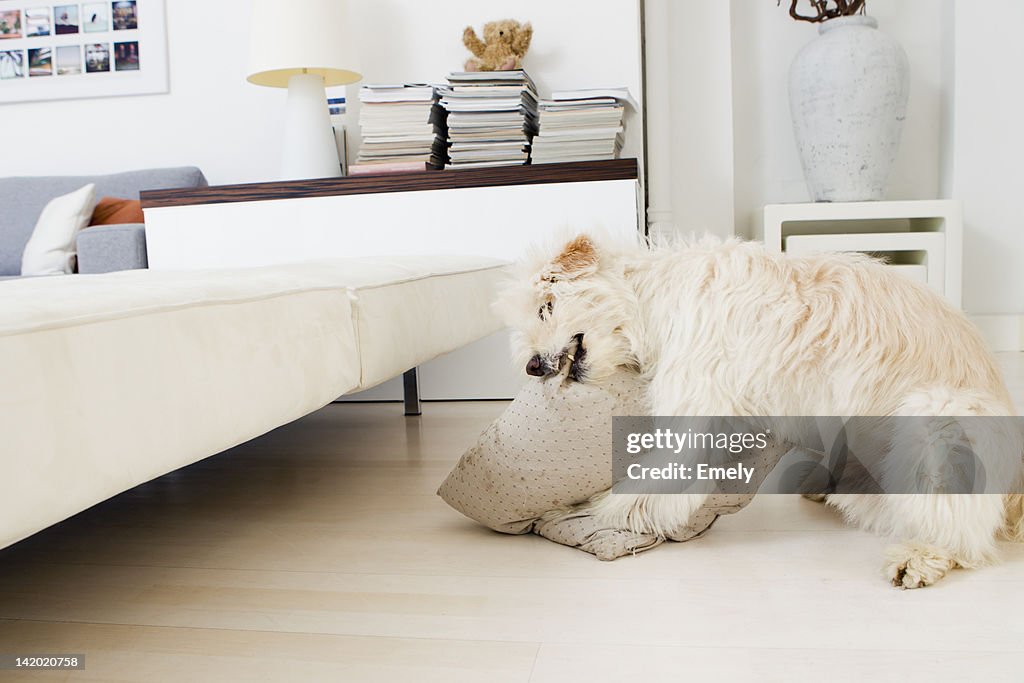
(730, 329)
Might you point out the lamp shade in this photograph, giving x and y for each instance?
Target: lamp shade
(290, 37)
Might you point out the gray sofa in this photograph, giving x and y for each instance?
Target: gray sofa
(101, 249)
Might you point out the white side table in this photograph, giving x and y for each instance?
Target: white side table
(923, 239)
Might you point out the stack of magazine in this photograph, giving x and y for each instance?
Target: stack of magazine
(581, 125)
(398, 130)
(491, 118)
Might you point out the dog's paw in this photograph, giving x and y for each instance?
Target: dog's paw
(910, 565)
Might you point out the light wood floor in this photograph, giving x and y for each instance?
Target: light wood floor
(320, 552)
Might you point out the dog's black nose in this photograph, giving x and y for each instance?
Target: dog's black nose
(536, 367)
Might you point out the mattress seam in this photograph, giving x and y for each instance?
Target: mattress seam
(167, 308)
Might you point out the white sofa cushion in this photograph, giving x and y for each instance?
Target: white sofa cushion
(51, 249)
(112, 380)
(411, 310)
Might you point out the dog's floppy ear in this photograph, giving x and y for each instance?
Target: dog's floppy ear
(578, 258)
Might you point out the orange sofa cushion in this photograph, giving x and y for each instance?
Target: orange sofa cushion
(114, 211)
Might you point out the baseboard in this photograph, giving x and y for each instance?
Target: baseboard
(1002, 332)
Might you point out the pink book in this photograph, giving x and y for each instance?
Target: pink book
(397, 167)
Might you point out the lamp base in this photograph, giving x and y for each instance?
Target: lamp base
(309, 147)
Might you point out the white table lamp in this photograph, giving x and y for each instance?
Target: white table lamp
(301, 45)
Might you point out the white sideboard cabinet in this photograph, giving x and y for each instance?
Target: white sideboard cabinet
(498, 213)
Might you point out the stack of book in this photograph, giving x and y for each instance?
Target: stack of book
(397, 128)
(581, 125)
(491, 118)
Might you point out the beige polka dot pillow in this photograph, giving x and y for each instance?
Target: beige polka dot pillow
(551, 449)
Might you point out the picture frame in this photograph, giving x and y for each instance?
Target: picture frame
(60, 49)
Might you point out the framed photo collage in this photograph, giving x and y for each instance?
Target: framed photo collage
(59, 50)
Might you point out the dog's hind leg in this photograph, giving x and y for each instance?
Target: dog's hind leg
(933, 532)
(937, 531)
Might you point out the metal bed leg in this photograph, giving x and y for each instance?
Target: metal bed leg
(411, 391)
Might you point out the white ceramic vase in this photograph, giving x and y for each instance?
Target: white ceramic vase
(848, 93)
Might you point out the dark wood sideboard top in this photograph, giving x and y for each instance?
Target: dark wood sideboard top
(574, 172)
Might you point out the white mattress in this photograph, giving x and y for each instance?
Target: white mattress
(111, 380)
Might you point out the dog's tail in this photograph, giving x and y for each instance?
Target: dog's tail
(1013, 526)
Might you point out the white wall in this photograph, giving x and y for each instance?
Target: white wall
(413, 40)
(988, 147)
(689, 117)
(213, 119)
(719, 74)
(764, 42)
(962, 138)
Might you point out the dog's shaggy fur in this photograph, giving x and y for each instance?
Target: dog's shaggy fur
(726, 328)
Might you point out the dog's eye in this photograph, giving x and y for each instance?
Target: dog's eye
(546, 310)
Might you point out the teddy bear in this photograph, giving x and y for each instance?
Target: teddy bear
(503, 47)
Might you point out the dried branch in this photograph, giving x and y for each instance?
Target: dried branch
(841, 8)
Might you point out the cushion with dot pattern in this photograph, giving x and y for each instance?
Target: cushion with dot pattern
(552, 449)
